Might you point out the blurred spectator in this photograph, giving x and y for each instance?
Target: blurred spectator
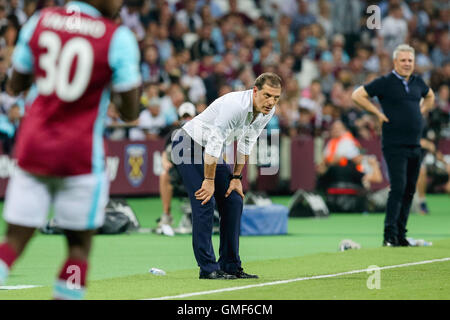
(394, 30)
(16, 10)
(171, 74)
(215, 81)
(9, 123)
(193, 84)
(214, 7)
(115, 127)
(347, 21)
(170, 103)
(30, 7)
(419, 18)
(324, 18)
(130, 15)
(245, 80)
(424, 65)
(164, 44)
(342, 145)
(242, 10)
(443, 99)
(204, 46)
(441, 53)
(150, 123)
(176, 37)
(150, 67)
(302, 18)
(189, 17)
(3, 19)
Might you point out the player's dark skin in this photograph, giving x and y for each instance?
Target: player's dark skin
(79, 242)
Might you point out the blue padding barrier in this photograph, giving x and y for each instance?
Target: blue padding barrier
(264, 220)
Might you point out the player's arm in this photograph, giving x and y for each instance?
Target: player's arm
(22, 59)
(124, 59)
(427, 102)
(127, 103)
(361, 98)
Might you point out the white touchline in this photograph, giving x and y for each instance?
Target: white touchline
(187, 295)
(18, 287)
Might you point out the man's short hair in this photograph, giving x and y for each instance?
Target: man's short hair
(269, 78)
(402, 48)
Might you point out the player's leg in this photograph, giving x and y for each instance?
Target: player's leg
(396, 163)
(202, 219)
(79, 210)
(230, 210)
(71, 283)
(422, 189)
(412, 173)
(166, 192)
(27, 202)
(188, 157)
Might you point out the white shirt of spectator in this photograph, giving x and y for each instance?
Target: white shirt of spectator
(394, 32)
(147, 122)
(346, 148)
(228, 119)
(196, 87)
(132, 21)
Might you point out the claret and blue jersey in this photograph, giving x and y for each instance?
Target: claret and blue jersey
(76, 58)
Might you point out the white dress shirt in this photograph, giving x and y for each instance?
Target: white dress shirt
(227, 119)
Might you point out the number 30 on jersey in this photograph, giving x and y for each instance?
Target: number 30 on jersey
(57, 63)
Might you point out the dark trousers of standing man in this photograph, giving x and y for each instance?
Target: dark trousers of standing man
(191, 170)
(403, 165)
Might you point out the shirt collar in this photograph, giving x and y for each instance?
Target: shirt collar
(250, 107)
(86, 8)
(400, 77)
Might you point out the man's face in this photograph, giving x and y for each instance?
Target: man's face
(265, 99)
(337, 129)
(404, 63)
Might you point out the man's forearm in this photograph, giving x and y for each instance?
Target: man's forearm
(210, 164)
(428, 102)
(240, 162)
(359, 98)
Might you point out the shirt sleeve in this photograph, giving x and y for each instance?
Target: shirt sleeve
(124, 59)
(423, 87)
(22, 58)
(224, 123)
(247, 141)
(375, 88)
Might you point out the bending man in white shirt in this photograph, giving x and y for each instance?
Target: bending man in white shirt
(196, 152)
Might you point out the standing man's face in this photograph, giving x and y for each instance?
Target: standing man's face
(404, 63)
(265, 99)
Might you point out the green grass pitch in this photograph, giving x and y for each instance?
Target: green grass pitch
(120, 263)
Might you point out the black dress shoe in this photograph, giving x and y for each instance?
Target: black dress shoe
(403, 243)
(240, 274)
(388, 244)
(217, 275)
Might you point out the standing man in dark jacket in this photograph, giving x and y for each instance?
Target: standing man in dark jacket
(400, 94)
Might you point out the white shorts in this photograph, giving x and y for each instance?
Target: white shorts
(79, 201)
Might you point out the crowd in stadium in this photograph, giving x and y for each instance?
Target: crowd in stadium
(322, 49)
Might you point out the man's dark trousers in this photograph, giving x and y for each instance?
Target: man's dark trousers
(230, 209)
(403, 163)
